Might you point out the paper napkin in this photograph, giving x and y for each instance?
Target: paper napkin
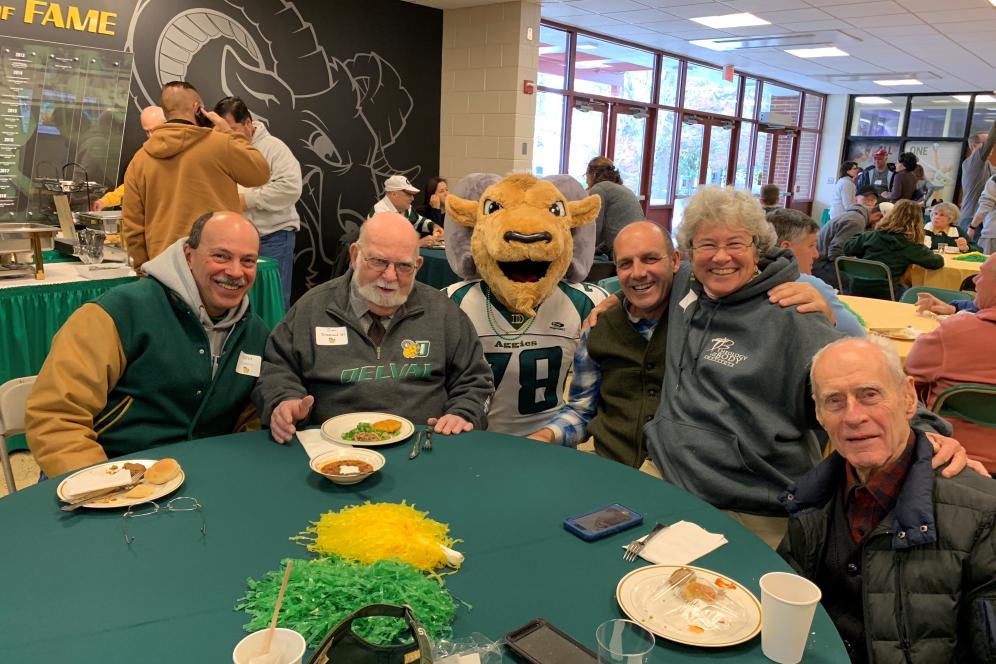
(681, 543)
(314, 443)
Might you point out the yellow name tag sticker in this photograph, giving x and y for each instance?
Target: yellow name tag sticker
(331, 336)
(249, 365)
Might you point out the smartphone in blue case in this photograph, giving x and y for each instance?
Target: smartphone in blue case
(603, 522)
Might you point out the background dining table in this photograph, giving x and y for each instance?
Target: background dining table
(77, 592)
(956, 269)
(884, 314)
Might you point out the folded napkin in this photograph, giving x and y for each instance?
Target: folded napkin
(314, 443)
(680, 544)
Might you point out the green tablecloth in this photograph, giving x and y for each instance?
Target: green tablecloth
(435, 270)
(78, 593)
(31, 315)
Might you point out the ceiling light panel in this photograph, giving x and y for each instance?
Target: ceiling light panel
(819, 52)
(730, 21)
(899, 81)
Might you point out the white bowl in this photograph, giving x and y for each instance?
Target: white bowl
(375, 459)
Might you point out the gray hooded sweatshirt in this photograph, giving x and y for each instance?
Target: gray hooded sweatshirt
(736, 424)
(170, 268)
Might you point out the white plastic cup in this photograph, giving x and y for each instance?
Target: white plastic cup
(788, 602)
(623, 642)
(287, 644)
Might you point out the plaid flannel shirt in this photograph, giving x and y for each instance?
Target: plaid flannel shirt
(867, 504)
(570, 425)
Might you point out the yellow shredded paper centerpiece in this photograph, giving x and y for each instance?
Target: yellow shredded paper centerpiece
(380, 531)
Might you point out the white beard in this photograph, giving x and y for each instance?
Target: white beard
(371, 293)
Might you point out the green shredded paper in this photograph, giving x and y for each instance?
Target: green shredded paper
(321, 592)
(971, 257)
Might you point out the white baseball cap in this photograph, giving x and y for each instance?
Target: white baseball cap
(399, 183)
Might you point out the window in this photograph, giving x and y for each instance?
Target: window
(938, 116)
(587, 121)
(878, 116)
(705, 90)
(750, 98)
(660, 182)
(549, 133)
(806, 163)
(812, 112)
(552, 58)
(779, 106)
(984, 114)
(741, 180)
(670, 80)
(630, 137)
(613, 70)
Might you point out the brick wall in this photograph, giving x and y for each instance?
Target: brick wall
(486, 121)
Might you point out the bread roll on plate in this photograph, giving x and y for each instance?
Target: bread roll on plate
(162, 471)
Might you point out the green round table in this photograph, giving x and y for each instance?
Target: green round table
(76, 592)
(435, 270)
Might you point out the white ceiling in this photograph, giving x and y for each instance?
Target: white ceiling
(950, 43)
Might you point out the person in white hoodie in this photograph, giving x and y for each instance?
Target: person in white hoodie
(272, 207)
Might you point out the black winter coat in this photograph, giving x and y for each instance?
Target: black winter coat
(928, 569)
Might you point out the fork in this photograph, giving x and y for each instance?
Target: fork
(427, 445)
(634, 548)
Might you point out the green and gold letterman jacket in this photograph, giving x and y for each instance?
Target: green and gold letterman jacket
(132, 370)
(430, 362)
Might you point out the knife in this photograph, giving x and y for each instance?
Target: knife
(416, 446)
(79, 501)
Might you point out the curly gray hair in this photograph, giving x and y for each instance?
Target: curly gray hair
(728, 206)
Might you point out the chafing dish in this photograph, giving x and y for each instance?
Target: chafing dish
(18, 238)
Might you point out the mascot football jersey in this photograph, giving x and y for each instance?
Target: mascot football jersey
(530, 357)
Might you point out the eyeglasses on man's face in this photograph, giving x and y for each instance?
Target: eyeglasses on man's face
(378, 264)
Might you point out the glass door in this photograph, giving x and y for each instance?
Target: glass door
(629, 140)
(587, 135)
(773, 162)
(704, 151)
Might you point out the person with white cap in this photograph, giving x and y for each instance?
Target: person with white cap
(399, 194)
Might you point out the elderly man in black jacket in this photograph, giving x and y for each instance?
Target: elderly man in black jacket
(906, 559)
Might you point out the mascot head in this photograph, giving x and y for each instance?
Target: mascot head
(521, 242)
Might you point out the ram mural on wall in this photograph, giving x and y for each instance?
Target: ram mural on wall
(339, 115)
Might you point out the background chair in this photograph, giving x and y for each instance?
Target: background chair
(13, 401)
(864, 277)
(610, 284)
(970, 402)
(942, 294)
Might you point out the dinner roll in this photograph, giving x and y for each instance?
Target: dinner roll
(162, 471)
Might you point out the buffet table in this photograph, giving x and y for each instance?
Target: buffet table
(949, 277)
(81, 594)
(32, 311)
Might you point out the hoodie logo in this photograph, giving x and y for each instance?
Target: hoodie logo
(720, 352)
(412, 349)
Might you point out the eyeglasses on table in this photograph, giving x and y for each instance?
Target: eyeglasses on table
(151, 507)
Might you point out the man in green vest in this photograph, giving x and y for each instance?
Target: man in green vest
(168, 358)
(619, 364)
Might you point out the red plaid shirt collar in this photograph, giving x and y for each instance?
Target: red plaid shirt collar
(867, 504)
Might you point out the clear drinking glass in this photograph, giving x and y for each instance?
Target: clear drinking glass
(623, 642)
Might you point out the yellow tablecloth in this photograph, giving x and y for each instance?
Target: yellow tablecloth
(885, 314)
(950, 276)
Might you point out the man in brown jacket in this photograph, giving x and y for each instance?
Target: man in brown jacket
(183, 171)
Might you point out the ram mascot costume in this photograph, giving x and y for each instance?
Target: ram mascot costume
(523, 245)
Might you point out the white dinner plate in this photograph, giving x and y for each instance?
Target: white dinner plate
(119, 501)
(669, 616)
(333, 428)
